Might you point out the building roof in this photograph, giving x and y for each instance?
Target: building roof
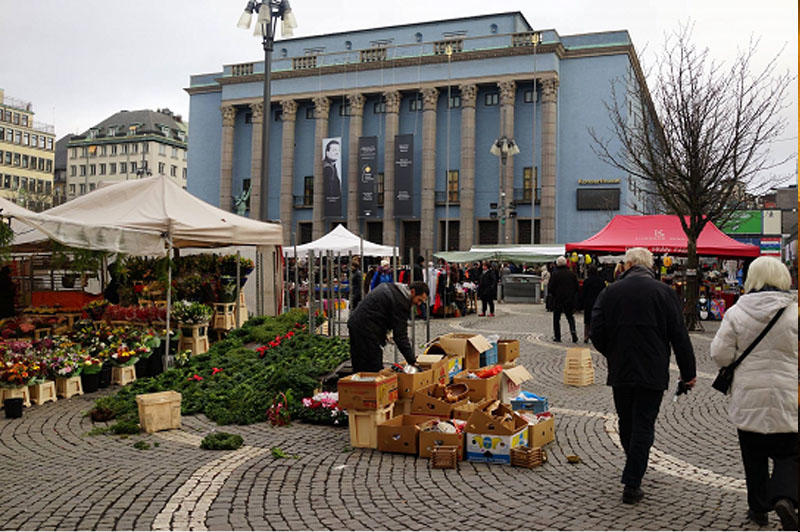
(60, 162)
(147, 122)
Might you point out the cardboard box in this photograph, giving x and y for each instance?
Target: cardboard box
(507, 350)
(430, 439)
(408, 383)
(470, 346)
(402, 407)
(400, 434)
(425, 404)
(511, 380)
(535, 403)
(479, 389)
(541, 428)
(367, 395)
(363, 425)
(466, 410)
(454, 365)
(437, 364)
(490, 439)
(489, 357)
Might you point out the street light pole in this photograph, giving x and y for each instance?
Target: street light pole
(535, 40)
(503, 148)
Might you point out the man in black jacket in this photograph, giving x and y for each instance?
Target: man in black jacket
(385, 308)
(563, 287)
(356, 284)
(634, 322)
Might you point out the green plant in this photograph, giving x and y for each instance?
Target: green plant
(141, 445)
(125, 426)
(97, 431)
(6, 239)
(191, 312)
(277, 452)
(218, 441)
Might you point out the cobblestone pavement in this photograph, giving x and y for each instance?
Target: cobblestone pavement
(55, 476)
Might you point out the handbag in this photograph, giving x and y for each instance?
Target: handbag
(725, 376)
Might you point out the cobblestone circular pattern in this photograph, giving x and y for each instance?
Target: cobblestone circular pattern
(55, 476)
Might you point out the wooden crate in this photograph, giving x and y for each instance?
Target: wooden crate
(444, 457)
(224, 316)
(528, 457)
(159, 411)
(66, 387)
(38, 334)
(19, 391)
(197, 339)
(42, 393)
(364, 426)
(123, 375)
(578, 367)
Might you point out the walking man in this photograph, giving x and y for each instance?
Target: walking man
(634, 322)
(563, 288)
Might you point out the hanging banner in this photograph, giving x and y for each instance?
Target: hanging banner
(367, 157)
(332, 177)
(403, 176)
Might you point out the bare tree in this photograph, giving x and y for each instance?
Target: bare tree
(702, 140)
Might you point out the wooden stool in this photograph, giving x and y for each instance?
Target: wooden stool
(224, 316)
(444, 457)
(123, 375)
(196, 340)
(66, 387)
(19, 391)
(42, 393)
(529, 457)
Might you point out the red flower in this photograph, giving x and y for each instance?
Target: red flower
(195, 377)
(214, 371)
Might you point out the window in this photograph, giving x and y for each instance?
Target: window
(16, 118)
(50, 144)
(308, 190)
(39, 186)
(73, 170)
(174, 153)
(7, 181)
(91, 186)
(17, 160)
(133, 167)
(277, 116)
(84, 151)
(492, 98)
(83, 170)
(131, 130)
(2, 133)
(113, 149)
(41, 164)
(415, 104)
(15, 182)
(35, 141)
(9, 135)
(380, 188)
(83, 188)
(102, 168)
(183, 173)
(145, 147)
(112, 168)
(379, 108)
(455, 101)
(8, 116)
(74, 152)
(92, 169)
(103, 149)
(72, 190)
(309, 113)
(529, 96)
(135, 147)
(26, 139)
(173, 171)
(25, 120)
(48, 187)
(18, 137)
(24, 161)
(162, 149)
(49, 165)
(161, 167)
(24, 183)
(452, 186)
(112, 131)
(344, 109)
(124, 148)
(1, 156)
(123, 168)
(530, 180)
(8, 157)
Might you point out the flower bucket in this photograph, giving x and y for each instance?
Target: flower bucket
(227, 289)
(13, 407)
(91, 382)
(143, 367)
(105, 376)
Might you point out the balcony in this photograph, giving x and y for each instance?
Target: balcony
(303, 202)
(242, 69)
(372, 55)
(441, 197)
(440, 47)
(304, 62)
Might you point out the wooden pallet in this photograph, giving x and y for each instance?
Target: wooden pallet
(444, 457)
(528, 457)
(42, 393)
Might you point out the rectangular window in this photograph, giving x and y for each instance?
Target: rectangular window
(26, 139)
(83, 170)
(415, 104)
(452, 186)
(9, 135)
(15, 182)
(124, 149)
(112, 168)
(35, 141)
(528, 96)
(74, 153)
(16, 118)
(173, 171)
(1, 156)
(42, 164)
(379, 108)
(308, 190)
(161, 167)
(455, 101)
(73, 170)
(344, 109)
(103, 149)
(17, 159)
(309, 113)
(92, 169)
(277, 116)
(48, 187)
(2, 133)
(123, 168)
(145, 147)
(135, 147)
(162, 149)
(7, 181)
(83, 188)
(91, 186)
(529, 179)
(174, 153)
(102, 168)
(183, 173)
(25, 120)
(49, 165)
(380, 188)
(491, 99)
(50, 144)
(133, 167)
(84, 151)
(39, 186)
(72, 189)
(18, 137)
(113, 149)
(24, 161)
(8, 116)
(8, 157)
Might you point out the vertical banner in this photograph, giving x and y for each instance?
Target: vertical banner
(332, 177)
(403, 175)
(367, 157)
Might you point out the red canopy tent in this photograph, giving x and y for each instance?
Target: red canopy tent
(661, 234)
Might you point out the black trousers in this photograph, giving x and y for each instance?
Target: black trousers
(557, 322)
(762, 490)
(637, 409)
(489, 303)
(366, 353)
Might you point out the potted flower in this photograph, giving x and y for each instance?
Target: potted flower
(323, 409)
(191, 313)
(90, 368)
(96, 308)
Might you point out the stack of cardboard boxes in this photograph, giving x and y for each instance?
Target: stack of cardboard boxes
(456, 400)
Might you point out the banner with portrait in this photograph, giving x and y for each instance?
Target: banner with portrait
(367, 183)
(332, 177)
(403, 176)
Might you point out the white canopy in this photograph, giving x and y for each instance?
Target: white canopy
(151, 208)
(340, 240)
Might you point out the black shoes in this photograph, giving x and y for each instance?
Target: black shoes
(787, 514)
(574, 338)
(557, 339)
(759, 518)
(631, 495)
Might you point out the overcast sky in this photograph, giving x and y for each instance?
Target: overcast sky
(79, 61)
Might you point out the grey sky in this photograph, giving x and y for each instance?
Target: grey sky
(79, 61)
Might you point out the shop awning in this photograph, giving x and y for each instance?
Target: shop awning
(660, 234)
(513, 253)
(341, 241)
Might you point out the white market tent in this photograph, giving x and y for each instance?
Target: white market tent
(341, 241)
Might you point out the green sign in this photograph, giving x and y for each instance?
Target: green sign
(743, 222)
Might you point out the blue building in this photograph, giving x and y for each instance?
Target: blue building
(416, 109)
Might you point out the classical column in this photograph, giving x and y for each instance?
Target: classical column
(507, 96)
(549, 122)
(257, 111)
(226, 161)
(289, 118)
(428, 229)
(467, 172)
(390, 131)
(356, 101)
(321, 107)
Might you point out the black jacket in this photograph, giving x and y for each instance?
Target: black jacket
(356, 287)
(563, 287)
(385, 308)
(487, 285)
(592, 286)
(634, 322)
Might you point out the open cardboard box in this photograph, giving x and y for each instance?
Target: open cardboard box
(541, 428)
(367, 395)
(430, 439)
(493, 432)
(444, 366)
(480, 389)
(469, 346)
(466, 410)
(408, 383)
(401, 434)
(426, 404)
(511, 380)
(507, 350)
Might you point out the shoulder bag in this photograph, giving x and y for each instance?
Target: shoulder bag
(725, 376)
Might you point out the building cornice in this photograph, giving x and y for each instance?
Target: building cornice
(126, 140)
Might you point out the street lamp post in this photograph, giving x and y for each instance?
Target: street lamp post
(269, 12)
(503, 148)
(536, 38)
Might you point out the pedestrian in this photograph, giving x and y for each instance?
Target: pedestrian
(563, 289)
(382, 275)
(548, 301)
(505, 271)
(634, 322)
(487, 289)
(592, 286)
(356, 283)
(762, 396)
(384, 309)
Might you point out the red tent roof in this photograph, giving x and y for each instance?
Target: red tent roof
(661, 234)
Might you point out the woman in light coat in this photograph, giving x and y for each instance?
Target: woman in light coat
(763, 396)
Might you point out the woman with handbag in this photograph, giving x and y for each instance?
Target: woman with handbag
(757, 341)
